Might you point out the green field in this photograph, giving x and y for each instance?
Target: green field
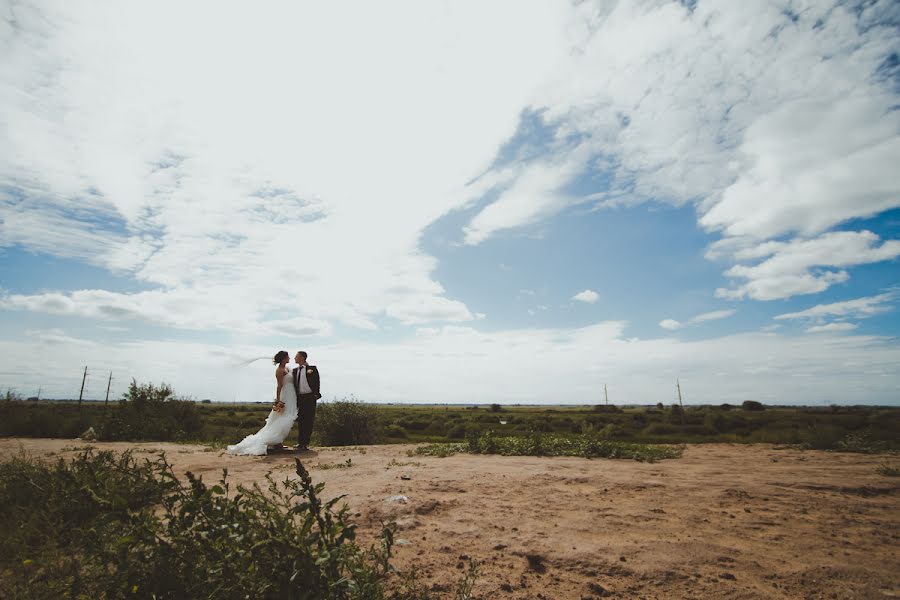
(835, 427)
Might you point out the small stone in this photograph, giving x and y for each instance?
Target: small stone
(597, 589)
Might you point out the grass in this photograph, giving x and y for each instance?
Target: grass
(438, 450)
(841, 428)
(538, 444)
(347, 464)
(888, 470)
(407, 463)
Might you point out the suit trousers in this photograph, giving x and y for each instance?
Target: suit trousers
(306, 415)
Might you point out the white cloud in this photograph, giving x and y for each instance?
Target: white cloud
(832, 327)
(805, 266)
(277, 179)
(774, 121)
(857, 308)
(278, 175)
(587, 296)
(715, 315)
(771, 367)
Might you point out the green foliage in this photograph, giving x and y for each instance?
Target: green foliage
(861, 442)
(457, 432)
(48, 419)
(812, 427)
(438, 450)
(346, 423)
(752, 405)
(106, 526)
(149, 412)
(394, 431)
(588, 446)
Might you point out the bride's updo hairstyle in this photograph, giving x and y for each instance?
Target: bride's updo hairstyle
(282, 354)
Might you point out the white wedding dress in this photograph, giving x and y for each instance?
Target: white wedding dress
(277, 427)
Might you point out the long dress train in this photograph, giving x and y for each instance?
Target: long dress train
(277, 427)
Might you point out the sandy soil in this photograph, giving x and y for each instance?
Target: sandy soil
(724, 521)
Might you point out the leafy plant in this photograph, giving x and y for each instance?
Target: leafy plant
(108, 526)
(150, 412)
(539, 444)
(346, 423)
(438, 450)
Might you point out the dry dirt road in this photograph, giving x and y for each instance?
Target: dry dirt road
(724, 521)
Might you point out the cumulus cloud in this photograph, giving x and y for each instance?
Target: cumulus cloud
(774, 122)
(587, 296)
(280, 174)
(805, 266)
(670, 324)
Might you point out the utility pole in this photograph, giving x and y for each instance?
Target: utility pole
(81, 393)
(108, 383)
(40, 389)
(680, 405)
(606, 394)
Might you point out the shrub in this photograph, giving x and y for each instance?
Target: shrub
(540, 425)
(346, 423)
(395, 431)
(12, 395)
(588, 446)
(714, 422)
(752, 405)
(109, 527)
(149, 412)
(457, 432)
(659, 429)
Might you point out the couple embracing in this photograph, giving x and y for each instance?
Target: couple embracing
(295, 399)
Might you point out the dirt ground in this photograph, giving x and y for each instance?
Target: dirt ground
(724, 521)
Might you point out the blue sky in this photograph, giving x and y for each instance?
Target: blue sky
(618, 194)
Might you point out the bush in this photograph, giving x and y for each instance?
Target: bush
(109, 527)
(395, 431)
(12, 395)
(540, 444)
(752, 405)
(659, 429)
(714, 422)
(149, 412)
(346, 423)
(457, 432)
(51, 419)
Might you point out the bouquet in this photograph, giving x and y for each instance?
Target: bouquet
(278, 406)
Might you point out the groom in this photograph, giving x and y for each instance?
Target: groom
(306, 384)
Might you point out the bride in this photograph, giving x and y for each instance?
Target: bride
(280, 420)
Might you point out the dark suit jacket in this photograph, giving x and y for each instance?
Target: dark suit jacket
(312, 378)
